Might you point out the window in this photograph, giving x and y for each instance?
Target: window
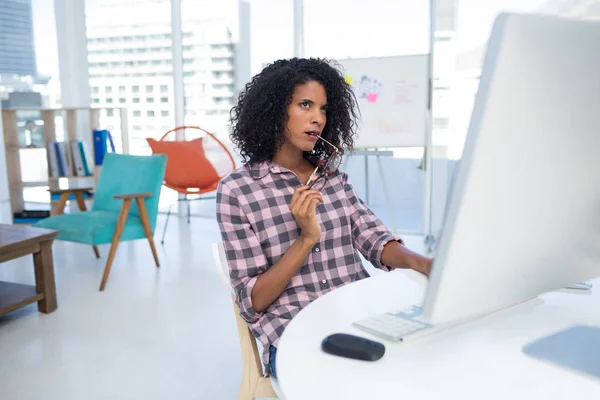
(164, 99)
(95, 101)
(136, 82)
(109, 101)
(164, 113)
(110, 113)
(108, 89)
(95, 90)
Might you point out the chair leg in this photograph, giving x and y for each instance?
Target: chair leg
(96, 251)
(162, 241)
(147, 229)
(115, 241)
(188, 209)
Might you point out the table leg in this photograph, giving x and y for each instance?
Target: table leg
(44, 277)
(62, 202)
(80, 201)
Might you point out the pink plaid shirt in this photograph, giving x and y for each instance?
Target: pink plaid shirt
(257, 228)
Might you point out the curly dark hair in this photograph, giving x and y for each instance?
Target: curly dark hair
(259, 118)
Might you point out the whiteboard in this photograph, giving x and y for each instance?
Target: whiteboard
(393, 96)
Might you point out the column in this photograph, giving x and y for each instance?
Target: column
(73, 61)
(5, 210)
(177, 46)
(298, 28)
(242, 47)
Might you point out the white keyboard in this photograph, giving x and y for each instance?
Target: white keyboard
(398, 325)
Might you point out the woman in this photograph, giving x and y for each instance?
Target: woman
(286, 243)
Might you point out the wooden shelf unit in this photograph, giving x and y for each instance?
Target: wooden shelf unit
(71, 115)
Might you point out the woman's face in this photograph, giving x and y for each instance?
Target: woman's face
(307, 115)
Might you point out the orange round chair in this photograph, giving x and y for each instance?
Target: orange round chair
(189, 171)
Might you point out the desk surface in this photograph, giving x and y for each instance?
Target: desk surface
(481, 359)
(16, 236)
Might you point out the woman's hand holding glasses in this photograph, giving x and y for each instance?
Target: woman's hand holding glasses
(304, 209)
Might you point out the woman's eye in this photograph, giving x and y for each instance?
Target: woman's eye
(305, 104)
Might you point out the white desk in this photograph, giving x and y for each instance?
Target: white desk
(478, 360)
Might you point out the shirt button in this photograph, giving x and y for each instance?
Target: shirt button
(317, 250)
(324, 281)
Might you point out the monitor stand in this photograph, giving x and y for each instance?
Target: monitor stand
(576, 348)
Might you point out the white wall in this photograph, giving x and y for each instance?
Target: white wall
(5, 211)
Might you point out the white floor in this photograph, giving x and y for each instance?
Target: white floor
(152, 334)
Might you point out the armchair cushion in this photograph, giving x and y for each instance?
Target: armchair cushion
(92, 227)
(187, 165)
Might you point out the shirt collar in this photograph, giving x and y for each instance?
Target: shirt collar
(260, 170)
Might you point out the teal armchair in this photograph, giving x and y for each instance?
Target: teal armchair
(125, 206)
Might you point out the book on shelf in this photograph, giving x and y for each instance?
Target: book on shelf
(58, 159)
(102, 139)
(52, 160)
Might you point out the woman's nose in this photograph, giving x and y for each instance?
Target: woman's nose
(318, 119)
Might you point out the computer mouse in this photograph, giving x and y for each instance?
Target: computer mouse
(351, 346)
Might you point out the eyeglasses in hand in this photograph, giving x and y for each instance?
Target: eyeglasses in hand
(326, 167)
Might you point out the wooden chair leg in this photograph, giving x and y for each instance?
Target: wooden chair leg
(116, 238)
(96, 251)
(147, 229)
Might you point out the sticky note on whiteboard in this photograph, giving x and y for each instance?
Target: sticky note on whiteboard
(372, 97)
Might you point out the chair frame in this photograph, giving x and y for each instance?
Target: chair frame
(123, 214)
(187, 191)
(254, 383)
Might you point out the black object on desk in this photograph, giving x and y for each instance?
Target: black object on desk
(350, 346)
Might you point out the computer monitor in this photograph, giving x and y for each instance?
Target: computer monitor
(524, 212)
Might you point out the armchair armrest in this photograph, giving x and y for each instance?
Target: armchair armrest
(132, 195)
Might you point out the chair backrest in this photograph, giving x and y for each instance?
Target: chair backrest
(221, 262)
(127, 174)
(206, 170)
(265, 387)
(247, 340)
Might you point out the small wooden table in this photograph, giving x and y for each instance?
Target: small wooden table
(77, 188)
(17, 241)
